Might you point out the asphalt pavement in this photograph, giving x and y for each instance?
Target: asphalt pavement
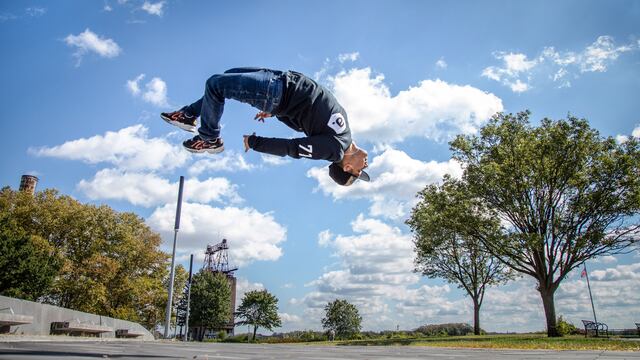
(136, 350)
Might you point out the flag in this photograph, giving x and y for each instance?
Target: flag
(584, 273)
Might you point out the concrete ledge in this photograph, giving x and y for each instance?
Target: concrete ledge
(78, 327)
(126, 333)
(62, 337)
(14, 319)
(96, 326)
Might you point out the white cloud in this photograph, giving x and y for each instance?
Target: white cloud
(517, 63)
(228, 161)
(7, 17)
(348, 57)
(598, 55)
(620, 272)
(107, 8)
(252, 235)
(143, 189)
(154, 8)
(289, 318)
(274, 160)
(133, 86)
(624, 138)
(35, 11)
(514, 64)
(88, 41)
(155, 90)
(519, 86)
(396, 178)
(517, 71)
(326, 66)
(324, 238)
(433, 109)
(441, 64)
(607, 259)
(129, 149)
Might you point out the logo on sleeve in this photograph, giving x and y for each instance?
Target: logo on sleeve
(337, 123)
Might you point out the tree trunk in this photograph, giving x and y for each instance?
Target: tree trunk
(549, 311)
(476, 317)
(255, 328)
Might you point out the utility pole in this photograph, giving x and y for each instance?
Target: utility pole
(186, 320)
(173, 260)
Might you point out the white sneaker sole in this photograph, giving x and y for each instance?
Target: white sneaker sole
(189, 128)
(210, 151)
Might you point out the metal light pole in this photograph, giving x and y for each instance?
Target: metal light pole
(173, 260)
(186, 321)
(591, 297)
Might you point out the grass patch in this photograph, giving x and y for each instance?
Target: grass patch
(519, 341)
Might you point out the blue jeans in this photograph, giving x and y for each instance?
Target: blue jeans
(260, 88)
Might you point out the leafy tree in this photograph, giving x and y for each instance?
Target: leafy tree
(181, 306)
(29, 264)
(210, 300)
(446, 249)
(567, 194)
(260, 309)
(180, 278)
(342, 318)
(111, 263)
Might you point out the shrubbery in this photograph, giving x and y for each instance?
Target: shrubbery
(455, 329)
(565, 328)
(297, 336)
(242, 338)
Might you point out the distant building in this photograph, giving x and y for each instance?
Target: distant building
(28, 184)
(217, 261)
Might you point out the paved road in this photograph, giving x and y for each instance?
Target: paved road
(164, 350)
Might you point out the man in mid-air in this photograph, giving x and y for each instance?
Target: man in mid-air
(296, 100)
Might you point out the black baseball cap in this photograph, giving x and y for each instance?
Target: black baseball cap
(344, 178)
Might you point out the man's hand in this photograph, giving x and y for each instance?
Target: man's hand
(261, 116)
(246, 142)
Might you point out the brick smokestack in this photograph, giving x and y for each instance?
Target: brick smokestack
(28, 184)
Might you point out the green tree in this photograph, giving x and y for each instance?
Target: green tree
(181, 305)
(342, 318)
(210, 300)
(29, 264)
(111, 262)
(567, 194)
(259, 308)
(446, 249)
(180, 278)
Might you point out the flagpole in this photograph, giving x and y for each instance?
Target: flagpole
(586, 274)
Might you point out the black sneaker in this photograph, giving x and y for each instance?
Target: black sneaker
(199, 145)
(180, 119)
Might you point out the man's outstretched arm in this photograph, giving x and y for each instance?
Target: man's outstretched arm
(319, 147)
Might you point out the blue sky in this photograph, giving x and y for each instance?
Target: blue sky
(84, 82)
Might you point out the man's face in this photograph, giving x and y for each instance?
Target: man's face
(355, 162)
